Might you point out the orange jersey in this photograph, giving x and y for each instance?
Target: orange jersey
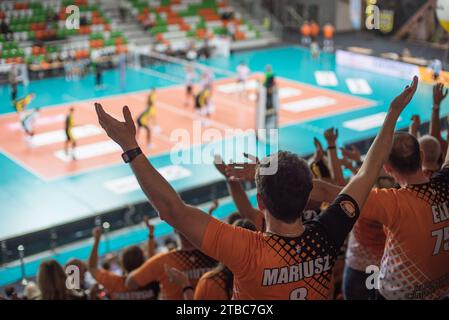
(415, 264)
(115, 286)
(314, 29)
(366, 244)
(328, 31)
(192, 262)
(270, 267)
(212, 286)
(305, 30)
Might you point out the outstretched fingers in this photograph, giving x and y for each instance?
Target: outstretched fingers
(104, 118)
(127, 115)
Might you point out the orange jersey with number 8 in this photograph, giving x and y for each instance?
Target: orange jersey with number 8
(273, 267)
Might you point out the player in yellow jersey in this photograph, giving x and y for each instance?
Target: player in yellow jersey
(201, 102)
(143, 121)
(21, 104)
(70, 139)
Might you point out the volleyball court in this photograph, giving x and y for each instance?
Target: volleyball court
(232, 106)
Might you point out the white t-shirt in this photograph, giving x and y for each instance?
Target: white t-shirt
(243, 72)
(190, 78)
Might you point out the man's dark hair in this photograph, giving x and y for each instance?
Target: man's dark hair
(285, 193)
(405, 156)
(132, 258)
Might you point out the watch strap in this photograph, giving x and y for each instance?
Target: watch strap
(130, 155)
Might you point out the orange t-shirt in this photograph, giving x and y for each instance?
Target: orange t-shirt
(314, 29)
(115, 286)
(366, 244)
(192, 262)
(415, 264)
(305, 30)
(328, 31)
(272, 267)
(212, 287)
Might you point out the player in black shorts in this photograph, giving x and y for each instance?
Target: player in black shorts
(70, 139)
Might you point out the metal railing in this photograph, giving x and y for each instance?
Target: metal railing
(294, 19)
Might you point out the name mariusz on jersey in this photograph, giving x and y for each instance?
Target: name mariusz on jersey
(296, 272)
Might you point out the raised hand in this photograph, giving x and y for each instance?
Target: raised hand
(348, 164)
(220, 165)
(439, 94)
(213, 206)
(353, 154)
(150, 226)
(96, 233)
(242, 171)
(319, 152)
(401, 101)
(414, 126)
(331, 136)
(123, 133)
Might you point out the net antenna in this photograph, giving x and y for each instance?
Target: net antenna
(267, 113)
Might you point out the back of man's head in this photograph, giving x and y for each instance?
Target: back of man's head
(132, 258)
(285, 193)
(405, 156)
(431, 148)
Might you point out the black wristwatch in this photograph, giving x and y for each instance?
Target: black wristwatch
(130, 155)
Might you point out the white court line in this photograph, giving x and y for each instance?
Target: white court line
(129, 183)
(358, 86)
(58, 136)
(366, 123)
(40, 122)
(326, 78)
(289, 92)
(234, 87)
(308, 104)
(284, 93)
(89, 151)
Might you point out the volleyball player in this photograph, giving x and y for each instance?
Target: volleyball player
(149, 114)
(28, 120)
(208, 86)
(190, 79)
(201, 102)
(242, 77)
(21, 104)
(70, 142)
